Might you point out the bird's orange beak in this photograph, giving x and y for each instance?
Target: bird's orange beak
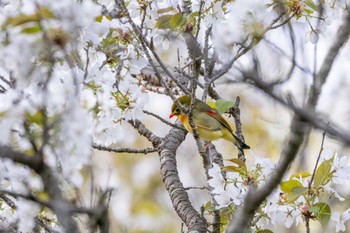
(171, 115)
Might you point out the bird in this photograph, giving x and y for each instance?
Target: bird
(209, 123)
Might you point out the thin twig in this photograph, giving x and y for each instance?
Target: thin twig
(272, 26)
(236, 112)
(163, 120)
(201, 4)
(207, 68)
(6, 81)
(125, 150)
(28, 197)
(192, 187)
(86, 70)
(317, 161)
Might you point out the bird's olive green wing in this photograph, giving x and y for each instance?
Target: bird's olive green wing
(203, 107)
(219, 118)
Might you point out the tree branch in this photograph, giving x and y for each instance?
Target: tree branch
(236, 113)
(125, 150)
(163, 120)
(178, 195)
(141, 128)
(32, 162)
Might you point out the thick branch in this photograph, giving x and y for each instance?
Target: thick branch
(177, 193)
(31, 161)
(141, 128)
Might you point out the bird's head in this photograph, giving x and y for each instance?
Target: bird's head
(175, 110)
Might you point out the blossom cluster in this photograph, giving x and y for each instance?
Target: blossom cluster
(293, 201)
(60, 93)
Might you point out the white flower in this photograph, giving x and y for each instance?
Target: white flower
(237, 192)
(267, 166)
(26, 212)
(223, 199)
(341, 219)
(287, 215)
(342, 172)
(216, 181)
(215, 14)
(333, 192)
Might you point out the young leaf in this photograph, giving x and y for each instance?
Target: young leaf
(264, 231)
(36, 118)
(41, 13)
(223, 105)
(322, 211)
(237, 161)
(295, 193)
(240, 163)
(312, 5)
(231, 169)
(163, 22)
(289, 185)
(209, 206)
(323, 173)
(31, 30)
(300, 174)
(166, 10)
(177, 21)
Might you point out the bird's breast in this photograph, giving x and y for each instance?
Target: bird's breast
(185, 122)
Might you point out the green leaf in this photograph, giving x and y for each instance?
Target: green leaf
(163, 22)
(36, 118)
(231, 169)
(31, 30)
(177, 21)
(312, 5)
(293, 189)
(289, 185)
(323, 173)
(295, 193)
(166, 10)
(209, 206)
(41, 13)
(99, 18)
(322, 211)
(300, 174)
(242, 168)
(238, 162)
(308, 11)
(224, 105)
(264, 231)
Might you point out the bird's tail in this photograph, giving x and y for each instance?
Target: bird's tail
(240, 144)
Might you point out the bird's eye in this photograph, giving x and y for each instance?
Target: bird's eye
(177, 111)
